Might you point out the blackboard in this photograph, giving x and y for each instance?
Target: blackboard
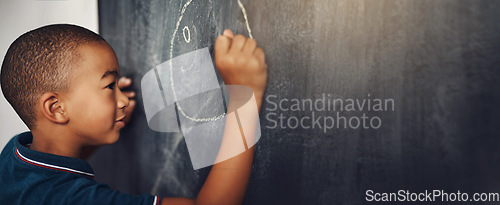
(433, 64)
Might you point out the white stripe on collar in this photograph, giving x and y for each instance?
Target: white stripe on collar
(53, 166)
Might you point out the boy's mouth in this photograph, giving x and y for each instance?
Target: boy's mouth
(120, 121)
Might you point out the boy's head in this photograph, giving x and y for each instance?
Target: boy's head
(65, 75)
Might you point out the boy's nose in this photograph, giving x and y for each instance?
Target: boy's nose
(123, 100)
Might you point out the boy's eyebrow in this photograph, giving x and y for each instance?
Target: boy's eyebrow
(113, 73)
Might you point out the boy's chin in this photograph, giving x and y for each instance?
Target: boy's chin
(115, 138)
(111, 139)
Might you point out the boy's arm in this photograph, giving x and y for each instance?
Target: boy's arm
(240, 62)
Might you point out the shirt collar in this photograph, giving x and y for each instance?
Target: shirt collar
(49, 161)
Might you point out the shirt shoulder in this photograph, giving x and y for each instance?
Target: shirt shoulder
(31, 177)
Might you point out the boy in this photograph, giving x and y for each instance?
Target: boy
(62, 81)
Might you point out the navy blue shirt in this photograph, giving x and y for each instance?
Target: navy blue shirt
(32, 177)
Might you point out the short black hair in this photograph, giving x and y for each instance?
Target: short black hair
(41, 61)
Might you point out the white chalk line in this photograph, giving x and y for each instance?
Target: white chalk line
(184, 34)
(246, 18)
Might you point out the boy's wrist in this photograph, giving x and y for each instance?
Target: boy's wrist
(239, 95)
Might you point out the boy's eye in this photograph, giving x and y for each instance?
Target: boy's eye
(111, 86)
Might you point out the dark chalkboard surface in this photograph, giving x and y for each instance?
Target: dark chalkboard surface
(429, 69)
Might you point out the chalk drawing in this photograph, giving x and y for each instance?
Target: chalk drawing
(179, 108)
(188, 39)
(172, 86)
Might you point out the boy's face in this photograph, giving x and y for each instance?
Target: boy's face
(94, 104)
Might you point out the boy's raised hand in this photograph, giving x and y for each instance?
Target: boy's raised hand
(241, 62)
(123, 83)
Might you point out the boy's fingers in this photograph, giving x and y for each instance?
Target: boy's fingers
(228, 33)
(259, 53)
(124, 82)
(130, 94)
(130, 107)
(129, 110)
(238, 43)
(250, 46)
(222, 45)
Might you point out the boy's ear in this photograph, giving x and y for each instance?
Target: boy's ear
(53, 108)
